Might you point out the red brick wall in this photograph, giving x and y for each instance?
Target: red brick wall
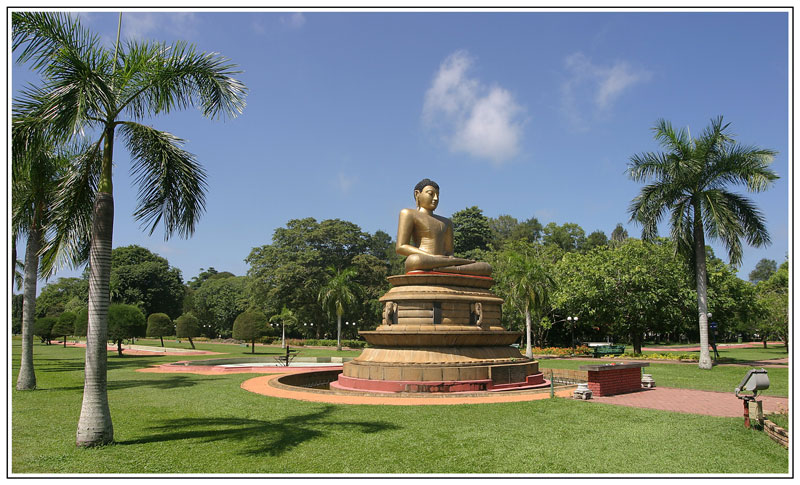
(615, 381)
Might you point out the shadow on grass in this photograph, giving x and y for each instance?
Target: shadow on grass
(165, 383)
(259, 437)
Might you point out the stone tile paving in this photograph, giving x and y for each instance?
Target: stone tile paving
(691, 401)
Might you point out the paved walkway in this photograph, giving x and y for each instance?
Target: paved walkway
(691, 401)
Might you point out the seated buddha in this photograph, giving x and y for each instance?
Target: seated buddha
(427, 239)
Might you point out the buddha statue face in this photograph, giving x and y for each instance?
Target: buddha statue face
(427, 198)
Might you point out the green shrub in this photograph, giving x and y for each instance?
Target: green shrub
(43, 328)
(124, 322)
(250, 326)
(81, 322)
(65, 325)
(159, 325)
(187, 326)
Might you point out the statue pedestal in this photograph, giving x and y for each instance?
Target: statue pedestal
(440, 333)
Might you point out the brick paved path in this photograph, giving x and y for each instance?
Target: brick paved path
(691, 401)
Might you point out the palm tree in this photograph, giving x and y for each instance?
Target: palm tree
(285, 317)
(89, 89)
(338, 295)
(529, 285)
(690, 183)
(36, 177)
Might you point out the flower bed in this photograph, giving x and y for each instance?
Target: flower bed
(561, 351)
(657, 356)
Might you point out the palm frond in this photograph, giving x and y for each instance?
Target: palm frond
(160, 78)
(172, 184)
(66, 242)
(47, 35)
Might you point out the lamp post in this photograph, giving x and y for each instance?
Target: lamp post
(572, 321)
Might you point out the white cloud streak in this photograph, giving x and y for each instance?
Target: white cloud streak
(472, 118)
(591, 89)
(295, 20)
(142, 25)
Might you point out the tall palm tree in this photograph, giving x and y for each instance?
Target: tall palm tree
(529, 284)
(690, 182)
(91, 89)
(37, 174)
(338, 295)
(285, 317)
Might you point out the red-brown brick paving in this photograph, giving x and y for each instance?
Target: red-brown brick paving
(691, 401)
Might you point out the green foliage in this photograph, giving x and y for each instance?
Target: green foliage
(471, 231)
(159, 325)
(619, 234)
(568, 237)
(16, 307)
(524, 278)
(218, 302)
(773, 305)
(633, 288)
(65, 294)
(43, 328)
(507, 229)
(250, 326)
(290, 271)
(142, 278)
(205, 275)
(124, 322)
(81, 322)
(763, 270)
(65, 325)
(187, 326)
(597, 239)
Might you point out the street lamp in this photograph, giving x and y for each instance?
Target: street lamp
(572, 321)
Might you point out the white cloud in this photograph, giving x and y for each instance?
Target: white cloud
(141, 25)
(344, 182)
(471, 117)
(295, 20)
(591, 89)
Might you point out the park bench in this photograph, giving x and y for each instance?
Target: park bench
(602, 350)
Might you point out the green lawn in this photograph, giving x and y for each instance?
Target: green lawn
(184, 423)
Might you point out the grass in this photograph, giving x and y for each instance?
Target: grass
(184, 423)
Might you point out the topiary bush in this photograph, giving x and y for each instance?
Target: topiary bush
(187, 326)
(65, 325)
(43, 328)
(125, 321)
(250, 326)
(159, 325)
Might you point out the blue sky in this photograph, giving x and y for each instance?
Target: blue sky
(520, 113)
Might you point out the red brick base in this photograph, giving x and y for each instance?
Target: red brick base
(615, 381)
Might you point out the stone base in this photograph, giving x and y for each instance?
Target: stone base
(479, 385)
(440, 333)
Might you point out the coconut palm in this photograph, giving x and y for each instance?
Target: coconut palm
(92, 90)
(338, 295)
(690, 181)
(285, 317)
(529, 286)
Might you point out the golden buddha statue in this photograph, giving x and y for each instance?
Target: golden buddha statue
(427, 239)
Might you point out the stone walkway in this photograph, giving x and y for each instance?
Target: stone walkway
(691, 401)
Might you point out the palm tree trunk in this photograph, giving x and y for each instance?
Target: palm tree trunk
(94, 425)
(338, 332)
(528, 350)
(702, 288)
(26, 380)
(283, 335)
